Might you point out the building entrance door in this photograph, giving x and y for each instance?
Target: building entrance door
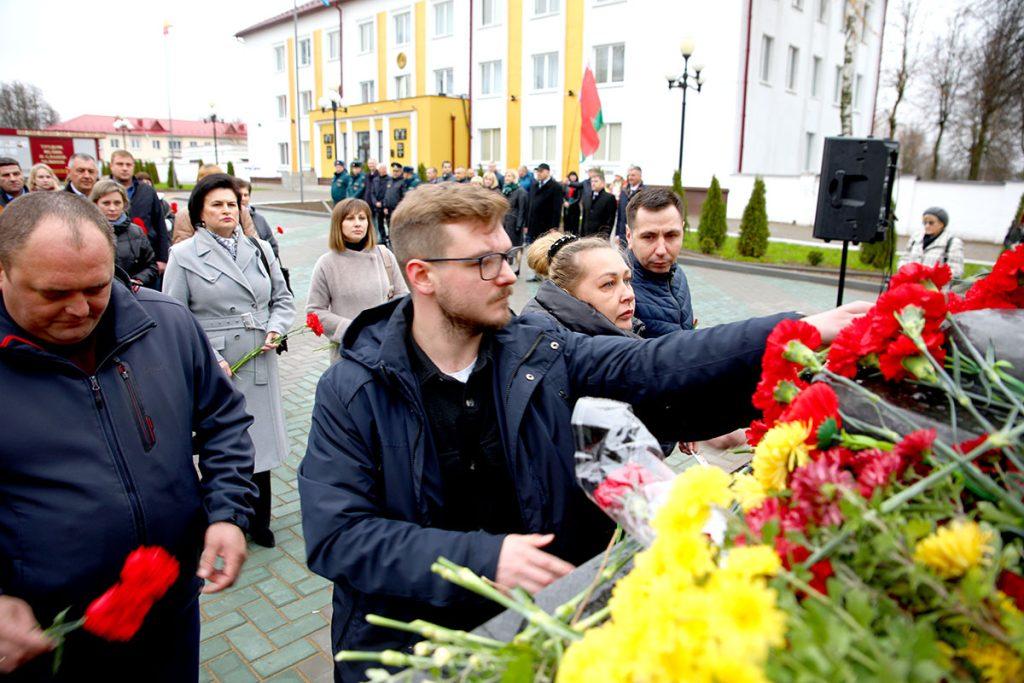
(363, 145)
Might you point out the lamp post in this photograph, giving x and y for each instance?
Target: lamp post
(212, 118)
(685, 81)
(332, 100)
(122, 124)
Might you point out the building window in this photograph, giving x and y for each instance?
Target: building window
(156, 144)
(609, 63)
(542, 139)
(798, 5)
(366, 93)
(858, 83)
(766, 58)
(401, 86)
(114, 142)
(135, 143)
(283, 157)
(490, 77)
(865, 23)
(304, 150)
(610, 148)
(193, 143)
(792, 68)
(365, 37)
(837, 87)
(490, 144)
(402, 29)
(174, 145)
(282, 106)
(545, 71)
(333, 46)
(306, 101)
(305, 52)
(443, 23)
(488, 12)
(816, 77)
(279, 60)
(823, 11)
(443, 81)
(542, 7)
(809, 153)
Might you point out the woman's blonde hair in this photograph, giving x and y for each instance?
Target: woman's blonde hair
(35, 171)
(489, 175)
(476, 180)
(344, 209)
(563, 268)
(207, 169)
(104, 187)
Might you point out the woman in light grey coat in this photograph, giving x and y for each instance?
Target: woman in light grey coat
(233, 285)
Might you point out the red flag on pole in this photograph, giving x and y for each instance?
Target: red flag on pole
(591, 119)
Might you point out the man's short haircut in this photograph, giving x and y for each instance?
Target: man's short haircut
(142, 175)
(418, 225)
(652, 199)
(22, 216)
(242, 182)
(120, 153)
(637, 169)
(78, 155)
(215, 181)
(9, 161)
(105, 187)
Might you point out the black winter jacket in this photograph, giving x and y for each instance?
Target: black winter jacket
(145, 204)
(134, 252)
(545, 210)
(598, 214)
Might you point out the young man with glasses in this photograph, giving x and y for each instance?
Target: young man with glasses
(444, 428)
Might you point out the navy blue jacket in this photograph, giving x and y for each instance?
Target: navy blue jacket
(91, 467)
(370, 483)
(620, 217)
(663, 301)
(146, 204)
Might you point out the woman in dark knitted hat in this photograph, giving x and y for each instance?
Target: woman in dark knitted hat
(935, 245)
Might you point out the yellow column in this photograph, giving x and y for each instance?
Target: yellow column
(514, 112)
(573, 79)
(382, 55)
(421, 49)
(293, 108)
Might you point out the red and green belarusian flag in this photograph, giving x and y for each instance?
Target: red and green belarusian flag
(591, 119)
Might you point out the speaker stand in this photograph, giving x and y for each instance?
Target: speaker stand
(842, 272)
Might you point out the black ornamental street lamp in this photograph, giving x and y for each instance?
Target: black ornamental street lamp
(212, 118)
(332, 100)
(685, 81)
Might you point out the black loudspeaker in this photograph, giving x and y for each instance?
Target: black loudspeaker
(855, 190)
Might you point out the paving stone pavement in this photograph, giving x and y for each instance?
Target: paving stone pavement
(273, 624)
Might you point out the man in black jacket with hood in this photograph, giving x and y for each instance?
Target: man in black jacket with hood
(143, 204)
(598, 208)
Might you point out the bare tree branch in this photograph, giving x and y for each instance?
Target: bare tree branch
(23, 106)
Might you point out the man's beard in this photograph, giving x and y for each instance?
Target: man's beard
(462, 325)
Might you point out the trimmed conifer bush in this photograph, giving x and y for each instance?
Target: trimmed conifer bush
(712, 217)
(231, 168)
(879, 254)
(677, 187)
(754, 224)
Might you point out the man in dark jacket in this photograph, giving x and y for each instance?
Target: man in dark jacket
(12, 181)
(376, 186)
(545, 204)
(655, 237)
(598, 208)
(144, 204)
(394, 190)
(444, 428)
(340, 182)
(357, 181)
(97, 449)
(634, 183)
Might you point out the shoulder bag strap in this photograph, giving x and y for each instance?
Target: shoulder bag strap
(386, 263)
(263, 256)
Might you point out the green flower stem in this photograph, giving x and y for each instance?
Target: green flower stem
(594, 619)
(463, 576)
(861, 426)
(387, 658)
(434, 632)
(990, 372)
(576, 611)
(259, 349)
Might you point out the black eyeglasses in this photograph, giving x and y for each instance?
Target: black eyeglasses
(489, 264)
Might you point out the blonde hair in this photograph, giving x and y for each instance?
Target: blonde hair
(106, 186)
(35, 171)
(476, 180)
(418, 224)
(344, 209)
(490, 175)
(564, 269)
(207, 169)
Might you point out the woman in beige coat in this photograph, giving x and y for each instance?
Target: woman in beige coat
(356, 274)
(234, 286)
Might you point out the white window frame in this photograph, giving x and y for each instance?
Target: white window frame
(823, 11)
(134, 143)
(174, 145)
(284, 156)
(792, 68)
(367, 91)
(610, 137)
(193, 143)
(366, 37)
(333, 45)
(495, 13)
(448, 8)
(810, 145)
(305, 51)
(546, 8)
(444, 81)
(548, 138)
(403, 86)
(798, 5)
(490, 145)
(282, 106)
(280, 58)
(767, 47)
(546, 77)
(607, 52)
(305, 102)
(816, 69)
(402, 37)
(156, 144)
(858, 91)
(837, 85)
(491, 78)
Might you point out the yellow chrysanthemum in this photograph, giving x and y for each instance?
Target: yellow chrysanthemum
(996, 662)
(748, 491)
(690, 500)
(954, 548)
(748, 561)
(781, 451)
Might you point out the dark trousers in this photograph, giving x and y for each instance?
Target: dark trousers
(261, 506)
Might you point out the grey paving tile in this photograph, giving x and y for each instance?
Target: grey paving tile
(307, 605)
(284, 657)
(214, 627)
(264, 615)
(277, 591)
(300, 628)
(249, 642)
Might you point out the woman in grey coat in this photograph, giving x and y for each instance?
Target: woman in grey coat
(233, 285)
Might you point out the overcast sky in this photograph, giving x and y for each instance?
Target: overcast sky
(105, 57)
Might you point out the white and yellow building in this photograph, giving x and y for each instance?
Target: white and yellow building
(476, 81)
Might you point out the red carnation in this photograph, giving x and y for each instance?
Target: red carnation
(756, 431)
(884, 326)
(793, 554)
(118, 614)
(774, 393)
(610, 493)
(1002, 288)
(280, 230)
(815, 404)
(877, 471)
(848, 347)
(788, 337)
(314, 324)
(920, 274)
(1013, 585)
(789, 519)
(914, 446)
(811, 493)
(174, 207)
(142, 226)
